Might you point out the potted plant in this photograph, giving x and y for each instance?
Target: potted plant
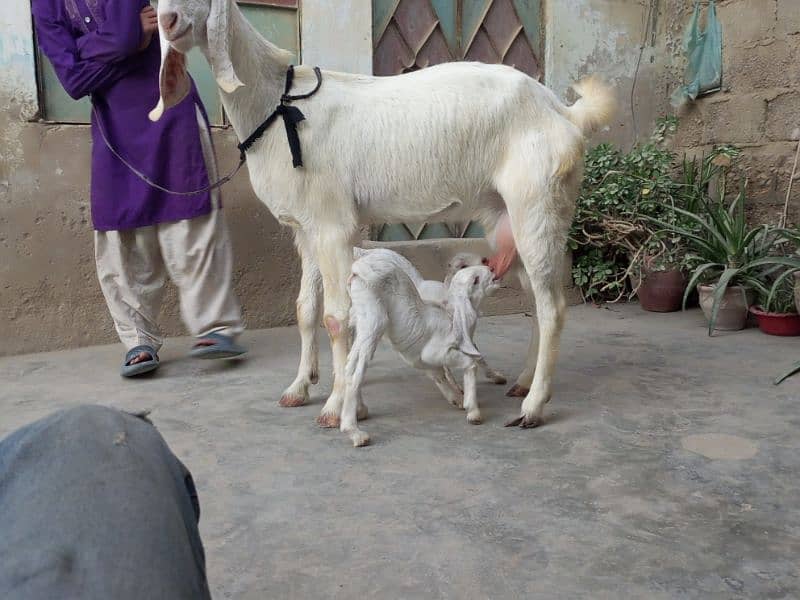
(730, 258)
(776, 314)
(658, 277)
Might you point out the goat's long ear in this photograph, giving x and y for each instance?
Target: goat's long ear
(464, 316)
(173, 80)
(219, 46)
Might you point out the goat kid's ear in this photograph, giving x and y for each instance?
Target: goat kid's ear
(463, 316)
(219, 46)
(173, 81)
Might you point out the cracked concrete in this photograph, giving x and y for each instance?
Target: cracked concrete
(615, 496)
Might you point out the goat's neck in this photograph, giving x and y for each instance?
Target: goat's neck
(261, 66)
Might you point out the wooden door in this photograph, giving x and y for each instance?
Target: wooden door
(414, 34)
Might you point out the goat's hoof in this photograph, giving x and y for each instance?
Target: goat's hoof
(359, 439)
(362, 413)
(475, 418)
(498, 379)
(517, 391)
(525, 422)
(292, 401)
(328, 420)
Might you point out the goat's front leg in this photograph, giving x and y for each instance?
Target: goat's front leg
(455, 360)
(471, 394)
(335, 258)
(308, 320)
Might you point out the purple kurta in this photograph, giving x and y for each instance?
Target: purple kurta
(93, 47)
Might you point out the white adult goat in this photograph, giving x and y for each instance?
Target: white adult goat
(432, 291)
(454, 142)
(427, 336)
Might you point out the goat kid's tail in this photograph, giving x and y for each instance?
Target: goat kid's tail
(594, 108)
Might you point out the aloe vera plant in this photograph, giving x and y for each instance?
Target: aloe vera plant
(726, 251)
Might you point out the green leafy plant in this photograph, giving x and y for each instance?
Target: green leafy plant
(780, 298)
(726, 251)
(613, 235)
(610, 233)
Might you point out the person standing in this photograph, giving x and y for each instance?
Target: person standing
(109, 50)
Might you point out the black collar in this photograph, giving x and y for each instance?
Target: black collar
(291, 117)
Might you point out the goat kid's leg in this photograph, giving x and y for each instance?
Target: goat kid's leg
(471, 394)
(362, 351)
(335, 260)
(308, 319)
(450, 390)
(495, 377)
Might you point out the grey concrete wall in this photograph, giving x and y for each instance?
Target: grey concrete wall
(758, 108)
(624, 43)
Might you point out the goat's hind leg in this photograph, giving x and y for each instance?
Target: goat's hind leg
(308, 320)
(541, 212)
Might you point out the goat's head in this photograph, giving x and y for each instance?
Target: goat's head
(184, 24)
(460, 261)
(468, 289)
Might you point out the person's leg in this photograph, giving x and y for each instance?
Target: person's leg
(199, 258)
(131, 273)
(94, 505)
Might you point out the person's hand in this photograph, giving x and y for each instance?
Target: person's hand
(149, 19)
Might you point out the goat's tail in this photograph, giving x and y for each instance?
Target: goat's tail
(595, 107)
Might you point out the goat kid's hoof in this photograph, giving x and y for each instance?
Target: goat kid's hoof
(359, 439)
(525, 422)
(292, 401)
(328, 421)
(517, 391)
(475, 418)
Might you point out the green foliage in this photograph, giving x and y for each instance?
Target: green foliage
(725, 251)
(613, 233)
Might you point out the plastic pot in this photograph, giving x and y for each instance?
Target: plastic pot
(776, 323)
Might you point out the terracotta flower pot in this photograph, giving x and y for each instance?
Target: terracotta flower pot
(732, 315)
(776, 323)
(661, 291)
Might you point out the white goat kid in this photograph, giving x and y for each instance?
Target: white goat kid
(434, 292)
(454, 142)
(429, 337)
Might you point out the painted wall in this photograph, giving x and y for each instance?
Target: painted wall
(605, 37)
(338, 35)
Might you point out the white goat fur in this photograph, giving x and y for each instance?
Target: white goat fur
(435, 292)
(427, 336)
(452, 142)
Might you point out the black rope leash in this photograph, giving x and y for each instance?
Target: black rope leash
(291, 117)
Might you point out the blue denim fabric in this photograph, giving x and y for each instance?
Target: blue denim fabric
(94, 505)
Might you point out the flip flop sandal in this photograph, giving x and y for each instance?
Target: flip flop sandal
(140, 368)
(223, 347)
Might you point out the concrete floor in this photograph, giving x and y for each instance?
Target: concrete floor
(668, 467)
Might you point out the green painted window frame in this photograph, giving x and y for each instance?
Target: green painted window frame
(278, 20)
